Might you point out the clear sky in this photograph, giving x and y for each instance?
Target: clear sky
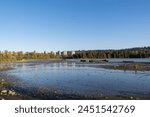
(53, 25)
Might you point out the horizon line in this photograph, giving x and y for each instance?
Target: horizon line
(73, 50)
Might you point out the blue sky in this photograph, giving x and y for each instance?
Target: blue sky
(53, 25)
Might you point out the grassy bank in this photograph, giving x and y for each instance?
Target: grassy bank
(3, 68)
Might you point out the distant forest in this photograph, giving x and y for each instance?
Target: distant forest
(144, 52)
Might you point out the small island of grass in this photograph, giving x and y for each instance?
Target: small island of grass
(3, 68)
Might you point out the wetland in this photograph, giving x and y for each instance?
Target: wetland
(72, 79)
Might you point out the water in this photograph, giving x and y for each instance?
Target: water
(75, 77)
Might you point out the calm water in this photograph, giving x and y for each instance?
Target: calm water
(72, 76)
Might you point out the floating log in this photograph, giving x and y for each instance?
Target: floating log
(98, 61)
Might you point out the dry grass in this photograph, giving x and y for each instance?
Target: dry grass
(136, 66)
(2, 68)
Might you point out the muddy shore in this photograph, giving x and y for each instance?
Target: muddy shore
(134, 66)
(9, 92)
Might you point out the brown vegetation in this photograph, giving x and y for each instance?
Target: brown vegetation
(136, 66)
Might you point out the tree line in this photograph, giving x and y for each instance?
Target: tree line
(123, 53)
(6, 56)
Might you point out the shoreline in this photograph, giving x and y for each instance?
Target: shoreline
(30, 60)
(10, 92)
(33, 94)
(5, 68)
(135, 66)
(21, 94)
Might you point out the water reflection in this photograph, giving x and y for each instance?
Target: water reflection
(81, 78)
